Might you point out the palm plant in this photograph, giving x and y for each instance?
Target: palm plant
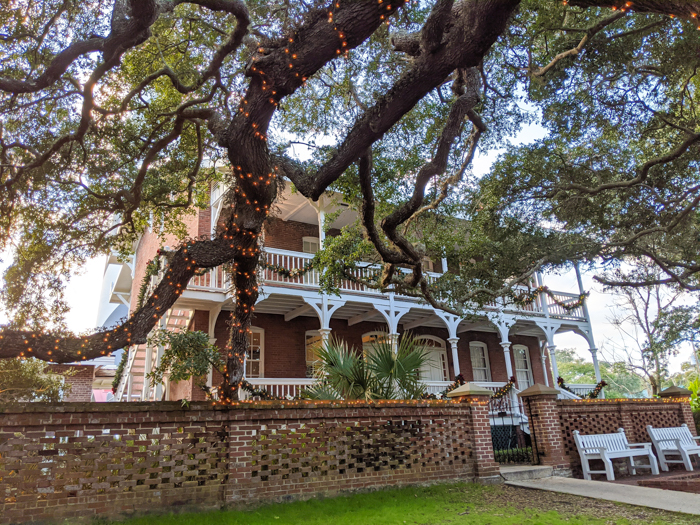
(345, 373)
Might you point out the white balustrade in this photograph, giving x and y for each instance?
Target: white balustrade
(281, 387)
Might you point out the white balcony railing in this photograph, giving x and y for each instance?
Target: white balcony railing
(216, 280)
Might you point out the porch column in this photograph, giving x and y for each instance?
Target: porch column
(325, 335)
(506, 353)
(455, 357)
(543, 357)
(553, 360)
(393, 314)
(596, 367)
(452, 322)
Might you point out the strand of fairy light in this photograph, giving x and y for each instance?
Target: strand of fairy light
(627, 6)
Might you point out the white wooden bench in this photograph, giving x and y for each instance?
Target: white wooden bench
(612, 446)
(674, 441)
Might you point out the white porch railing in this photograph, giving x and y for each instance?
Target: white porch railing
(581, 389)
(284, 387)
(291, 387)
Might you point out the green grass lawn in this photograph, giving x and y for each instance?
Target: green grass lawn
(459, 504)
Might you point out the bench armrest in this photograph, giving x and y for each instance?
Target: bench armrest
(600, 450)
(696, 437)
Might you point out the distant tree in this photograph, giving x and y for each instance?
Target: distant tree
(653, 322)
(29, 380)
(621, 382)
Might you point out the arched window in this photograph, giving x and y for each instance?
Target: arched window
(435, 368)
(372, 338)
(481, 368)
(255, 356)
(313, 342)
(523, 368)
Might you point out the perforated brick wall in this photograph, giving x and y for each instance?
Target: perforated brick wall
(601, 416)
(79, 460)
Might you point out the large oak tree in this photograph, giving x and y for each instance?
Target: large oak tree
(114, 115)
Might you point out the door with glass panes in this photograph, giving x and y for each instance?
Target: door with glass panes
(255, 354)
(481, 369)
(523, 367)
(311, 245)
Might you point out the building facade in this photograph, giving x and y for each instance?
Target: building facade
(292, 316)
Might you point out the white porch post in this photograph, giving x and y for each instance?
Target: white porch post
(553, 360)
(325, 335)
(325, 308)
(393, 314)
(506, 352)
(146, 369)
(452, 322)
(213, 316)
(455, 356)
(589, 336)
(543, 358)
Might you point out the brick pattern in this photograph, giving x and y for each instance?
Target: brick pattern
(543, 419)
(85, 460)
(605, 417)
(81, 381)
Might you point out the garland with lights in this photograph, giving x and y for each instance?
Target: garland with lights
(503, 391)
(152, 268)
(526, 299)
(289, 274)
(459, 381)
(593, 394)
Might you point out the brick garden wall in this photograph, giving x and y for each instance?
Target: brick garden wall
(601, 416)
(77, 460)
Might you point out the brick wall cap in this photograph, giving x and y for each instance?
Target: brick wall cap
(675, 391)
(539, 390)
(470, 389)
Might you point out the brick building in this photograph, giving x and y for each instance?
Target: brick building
(291, 316)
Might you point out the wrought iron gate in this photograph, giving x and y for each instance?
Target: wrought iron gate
(513, 441)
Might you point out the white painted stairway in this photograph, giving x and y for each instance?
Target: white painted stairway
(142, 360)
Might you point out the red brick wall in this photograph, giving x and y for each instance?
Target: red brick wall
(83, 461)
(603, 416)
(288, 235)
(285, 352)
(81, 382)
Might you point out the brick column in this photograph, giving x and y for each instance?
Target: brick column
(540, 403)
(486, 470)
(681, 395)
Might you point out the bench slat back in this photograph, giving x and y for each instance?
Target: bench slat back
(612, 442)
(681, 433)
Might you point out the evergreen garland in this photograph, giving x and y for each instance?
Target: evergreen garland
(120, 371)
(152, 268)
(526, 299)
(289, 274)
(501, 392)
(264, 395)
(593, 394)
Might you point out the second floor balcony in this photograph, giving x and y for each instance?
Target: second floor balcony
(216, 281)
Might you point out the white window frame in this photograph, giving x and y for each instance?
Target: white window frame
(529, 364)
(315, 240)
(485, 348)
(310, 365)
(440, 347)
(261, 331)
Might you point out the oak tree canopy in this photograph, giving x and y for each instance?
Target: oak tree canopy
(117, 115)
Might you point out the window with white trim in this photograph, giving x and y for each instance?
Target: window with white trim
(523, 367)
(370, 339)
(312, 344)
(435, 368)
(481, 368)
(255, 355)
(310, 244)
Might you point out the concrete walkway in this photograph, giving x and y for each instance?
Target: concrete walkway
(643, 496)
